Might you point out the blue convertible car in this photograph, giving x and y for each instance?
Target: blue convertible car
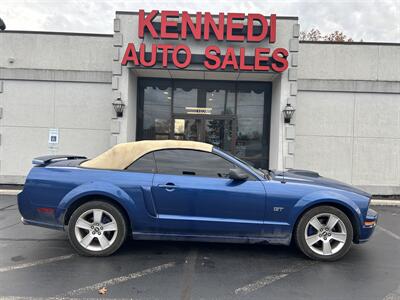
(184, 190)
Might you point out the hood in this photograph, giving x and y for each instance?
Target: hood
(313, 178)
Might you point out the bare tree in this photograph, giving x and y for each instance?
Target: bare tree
(337, 36)
(312, 35)
(315, 35)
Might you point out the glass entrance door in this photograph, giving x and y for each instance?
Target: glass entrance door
(234, 116)
(216, 130)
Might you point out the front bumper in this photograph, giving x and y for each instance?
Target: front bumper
(369, 225)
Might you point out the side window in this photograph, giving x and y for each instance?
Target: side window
(191, 162)
(145, 164)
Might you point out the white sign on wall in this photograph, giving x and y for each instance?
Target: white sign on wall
(53, 136)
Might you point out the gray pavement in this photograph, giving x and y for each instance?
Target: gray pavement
(38, 263)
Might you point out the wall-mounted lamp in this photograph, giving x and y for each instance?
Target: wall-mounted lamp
(2, 25)
(288, 112)
(119, 107)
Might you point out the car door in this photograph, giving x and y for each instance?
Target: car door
(140, 174)
(193, 195)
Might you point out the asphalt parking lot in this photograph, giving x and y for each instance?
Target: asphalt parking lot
(38, 263)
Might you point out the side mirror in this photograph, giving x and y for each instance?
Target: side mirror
(238, 174)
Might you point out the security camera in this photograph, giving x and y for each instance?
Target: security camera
(2, 25)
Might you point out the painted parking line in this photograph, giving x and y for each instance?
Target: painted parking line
(392, 234)
(394, 295)
(267, 280)
(36, 263)
(116, 280)
(247, 289)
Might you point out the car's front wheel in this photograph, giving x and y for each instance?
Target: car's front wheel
(97, 228)
(324, 233)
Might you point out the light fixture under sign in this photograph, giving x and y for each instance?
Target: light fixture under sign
(119, 107)
(288, 112)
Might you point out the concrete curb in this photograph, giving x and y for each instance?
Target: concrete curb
(374, 202)
(384, 202)
(10, 192)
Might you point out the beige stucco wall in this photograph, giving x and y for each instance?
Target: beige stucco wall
(348, 114)
(55, 51)
(52, 81)
(350, 61)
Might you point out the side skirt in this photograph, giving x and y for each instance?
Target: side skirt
(210, 238)
(42, 224)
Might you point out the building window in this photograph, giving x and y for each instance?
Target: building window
(250, 117)
(234, 116)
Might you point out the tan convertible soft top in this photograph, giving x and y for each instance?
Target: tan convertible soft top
(121, 156)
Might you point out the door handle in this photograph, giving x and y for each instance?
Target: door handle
(168, 186)
(188, 173)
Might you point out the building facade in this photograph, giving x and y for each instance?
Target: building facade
(223, 84)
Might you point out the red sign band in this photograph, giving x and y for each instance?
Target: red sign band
(226, 29)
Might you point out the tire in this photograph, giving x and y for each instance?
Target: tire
(319, 240)
(97, 228)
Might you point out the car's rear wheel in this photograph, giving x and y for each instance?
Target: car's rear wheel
(324, 233)
(97, 228)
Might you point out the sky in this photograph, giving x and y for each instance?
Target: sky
(367, 20)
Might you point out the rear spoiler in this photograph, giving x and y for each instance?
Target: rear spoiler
(45, 160)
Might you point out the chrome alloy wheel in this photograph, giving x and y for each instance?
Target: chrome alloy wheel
(96, 229)
(325, 234)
